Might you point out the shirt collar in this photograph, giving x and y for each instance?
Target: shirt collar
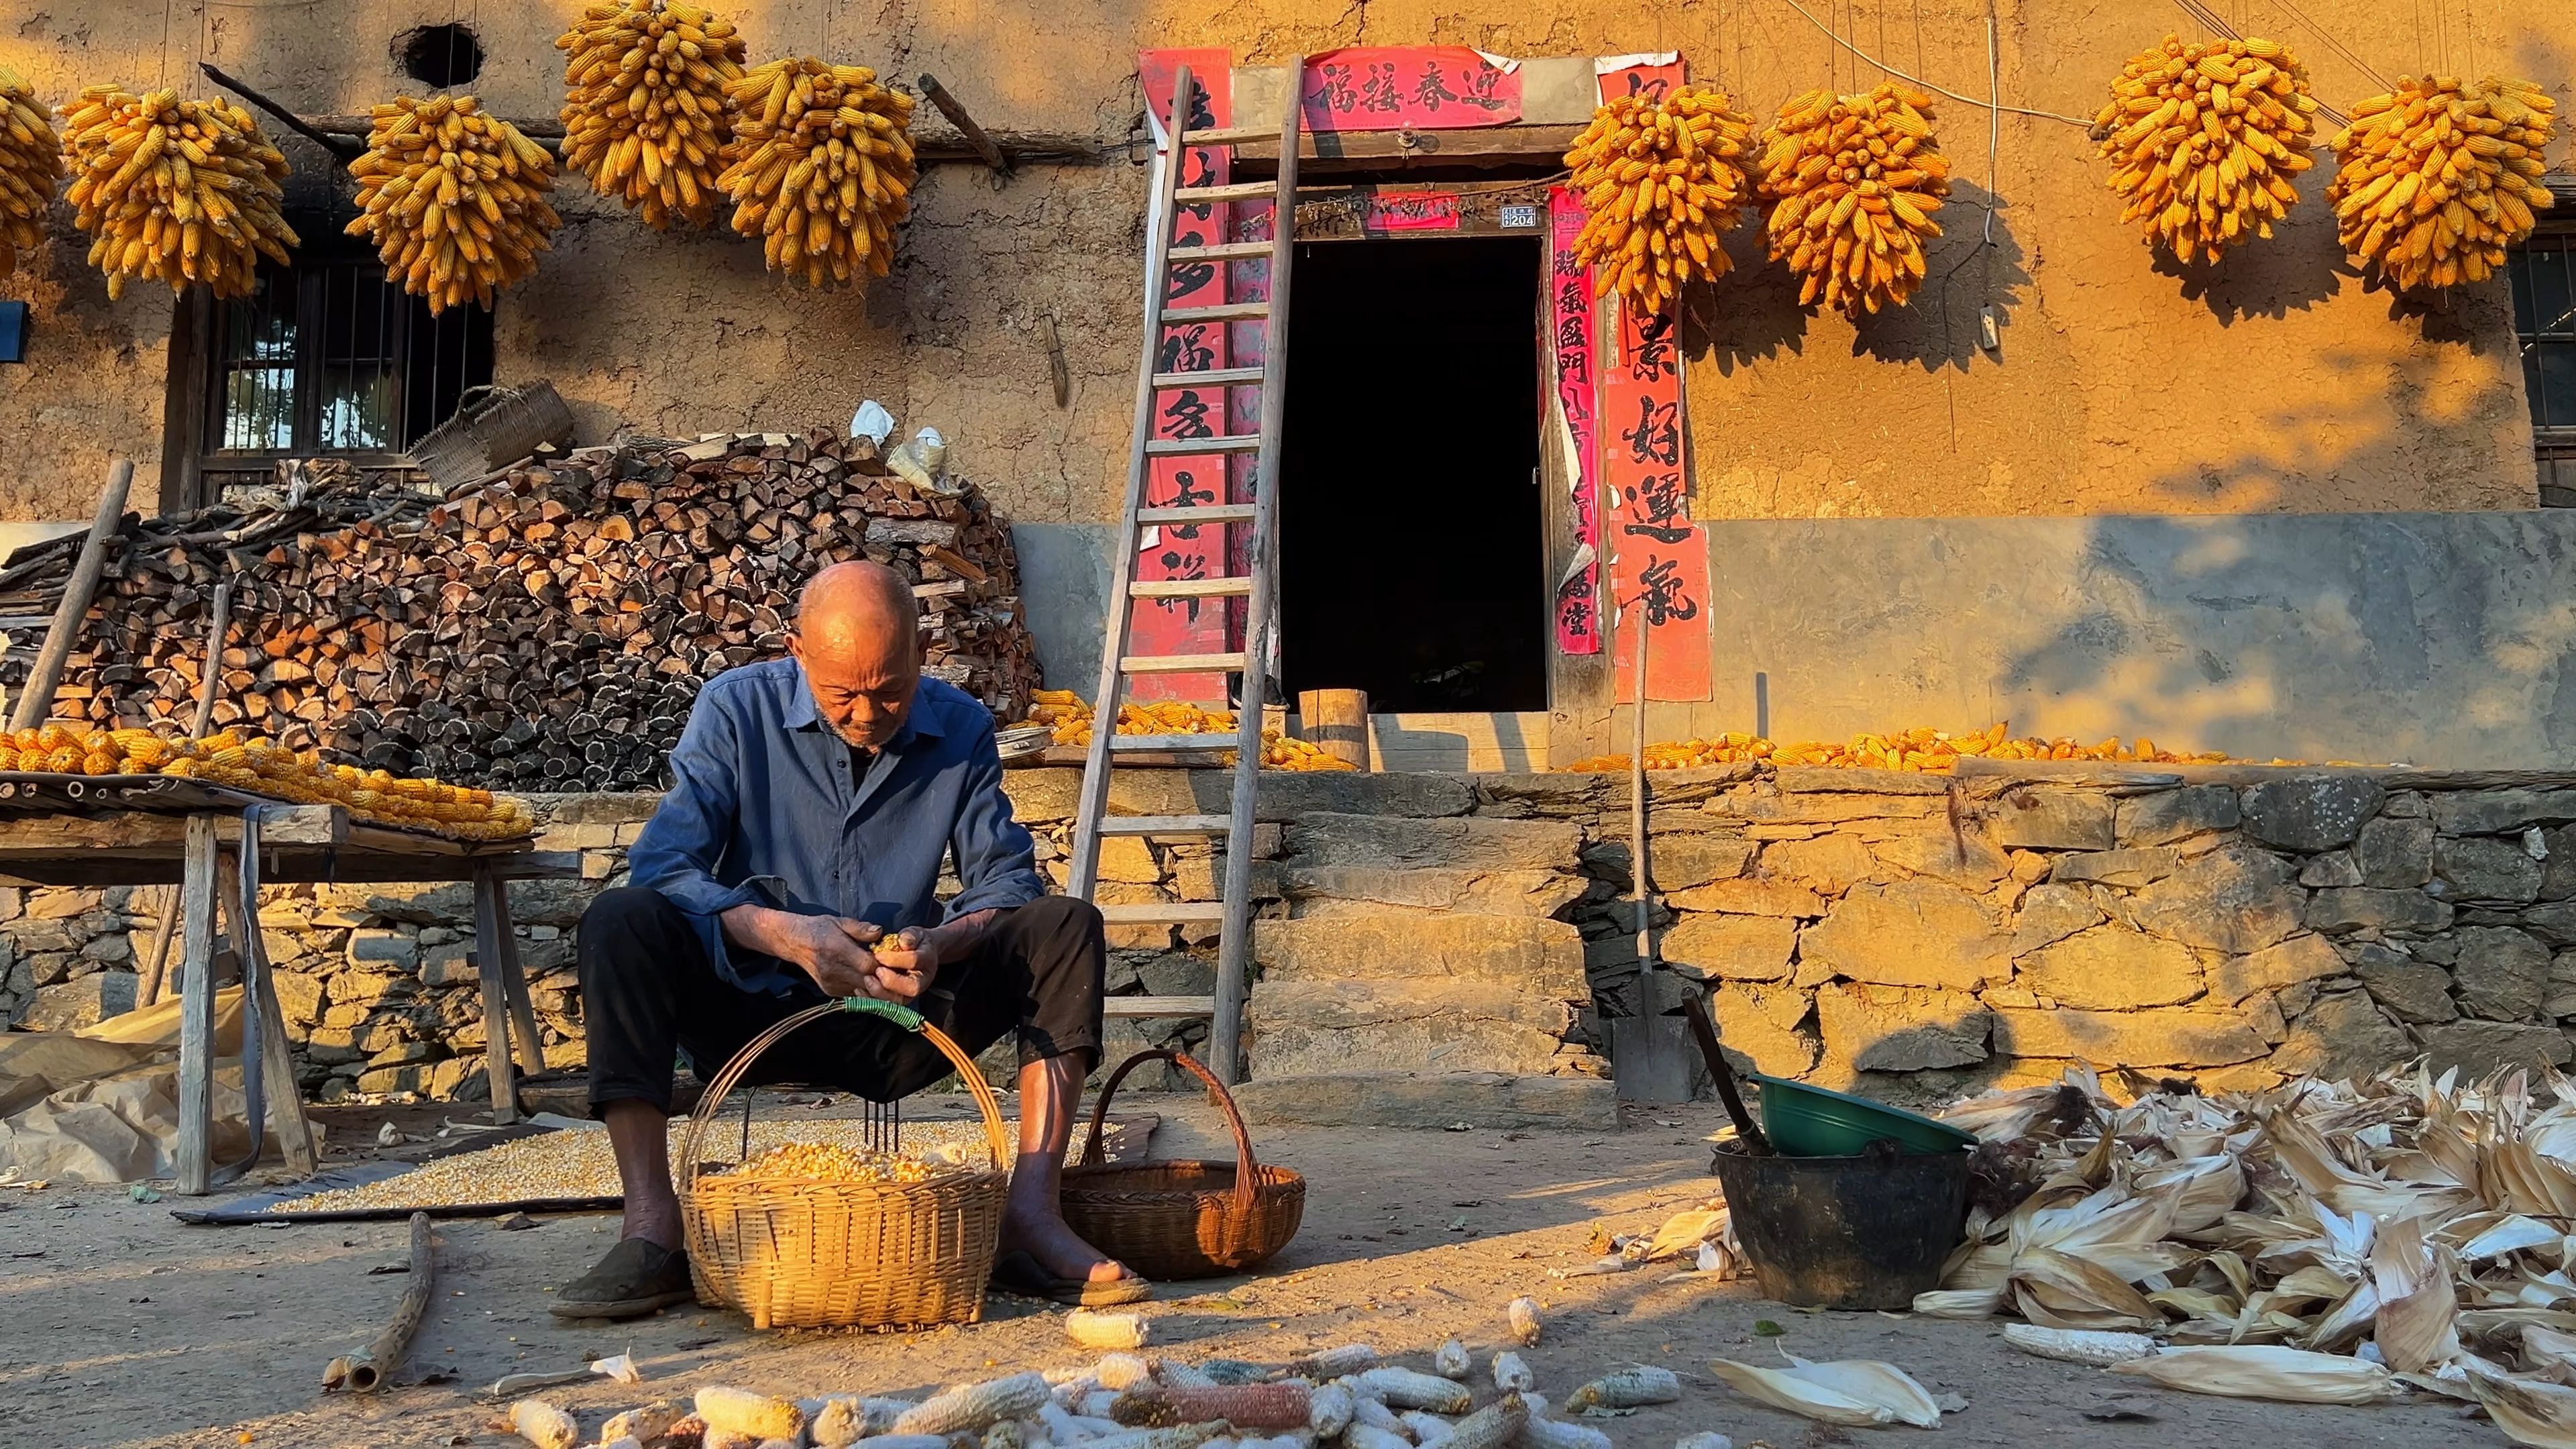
(801, 715)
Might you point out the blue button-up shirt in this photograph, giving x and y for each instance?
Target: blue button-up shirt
(766, 809)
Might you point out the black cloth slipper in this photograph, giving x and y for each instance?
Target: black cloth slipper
(1017, 1272)
(636, 1277)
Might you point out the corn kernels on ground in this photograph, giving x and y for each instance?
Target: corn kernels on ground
(1920, 750)
(264, 767)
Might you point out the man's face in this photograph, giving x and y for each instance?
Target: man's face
(862, 682)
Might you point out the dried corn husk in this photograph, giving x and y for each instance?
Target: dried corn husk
(1094, 1329)
(1427, 1431)
(1629, 1388)
(454, 199)
(1861, 1393)
(1405, 1389)
(2529, 1412)
(1336, 1362)
(541, 1424)
(1851, 182)
(1450, 1359)
(1522, 1315)
(2265, 1371)
(645, 1421)
(2204, 138)
(1511, 1375)
(31, 162)
(1329, 1410)
(2439, 178)
(180, 191)
(644, 110)
(973, 1408)
(820, 167)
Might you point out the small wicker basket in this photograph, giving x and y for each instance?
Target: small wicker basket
(806, 1253)
(1183, 1219)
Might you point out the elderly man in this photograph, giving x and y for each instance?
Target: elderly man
(794, 860)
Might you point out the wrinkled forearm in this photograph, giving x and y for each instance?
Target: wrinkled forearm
(955, 940)
(764, 929)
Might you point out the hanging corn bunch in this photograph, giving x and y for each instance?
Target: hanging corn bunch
(180, 191)
(2203, 140)
(31, 161)
(820, 167)
(454, 200)
(2439, 178)
(1662, 180)
(645, 117)
(1853, 181)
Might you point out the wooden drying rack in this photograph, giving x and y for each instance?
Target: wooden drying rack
(74, 830)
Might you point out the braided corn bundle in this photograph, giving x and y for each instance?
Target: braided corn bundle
(1662, 180)
(2438, 178)
(1853, 181)
(454, 200)
(2203, 140)
(172, 190)
(645, 113)
(820, 167)
(31, 161)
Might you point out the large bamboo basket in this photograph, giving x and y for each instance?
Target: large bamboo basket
(1183, 1219)
(805, 1253)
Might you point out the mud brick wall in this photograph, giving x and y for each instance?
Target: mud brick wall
(1912, 936)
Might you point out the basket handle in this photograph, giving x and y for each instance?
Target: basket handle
(996, 1136)
(1245, 1168)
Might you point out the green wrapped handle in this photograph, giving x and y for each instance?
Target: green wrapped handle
(902, 1016)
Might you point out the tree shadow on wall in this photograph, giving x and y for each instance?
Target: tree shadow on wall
(1976, 262)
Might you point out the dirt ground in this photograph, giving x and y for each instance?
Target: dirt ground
(121, 1327)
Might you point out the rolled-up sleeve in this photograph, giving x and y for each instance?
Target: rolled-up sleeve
(681, 847)
(997, 860)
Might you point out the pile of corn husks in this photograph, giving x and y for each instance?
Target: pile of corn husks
(2315, 1242)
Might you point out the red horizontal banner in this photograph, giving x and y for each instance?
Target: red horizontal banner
(1411, 211)
(1408, 87)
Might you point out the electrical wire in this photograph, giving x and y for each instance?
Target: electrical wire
(2076, 121)
(2337, 46)
(2211, 19)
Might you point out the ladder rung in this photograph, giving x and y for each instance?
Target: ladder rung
(1208, 513)
(1181, 663)
(1191, 447)
(1239, 191)
(1201, 744)
(1158, 1006)
(1228, 312)
(1228, 135)
(1210, 377)
(1167, 824)
(1220, 252)
(1153, 912)
(1189, 588)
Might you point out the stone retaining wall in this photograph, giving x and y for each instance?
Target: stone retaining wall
(1912, 935)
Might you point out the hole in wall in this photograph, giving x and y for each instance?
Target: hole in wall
(439, 55)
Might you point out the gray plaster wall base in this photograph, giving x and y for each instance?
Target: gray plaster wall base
(2429, 638)
(1064, 595)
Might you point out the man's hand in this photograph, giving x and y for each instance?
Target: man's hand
(831, 949)
(906, 962)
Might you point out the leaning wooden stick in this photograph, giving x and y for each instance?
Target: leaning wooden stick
(366, 1370)
(36, 700)
(209, 680)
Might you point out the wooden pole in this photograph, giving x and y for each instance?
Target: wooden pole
(157, 965)
(1336, 721)
(955, 111)
(37, 699)
(197, 1009)
(340, 146)
(366, 1370)
(496, 997)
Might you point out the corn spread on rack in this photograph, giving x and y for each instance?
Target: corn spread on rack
(1071, 720)
(264, 767)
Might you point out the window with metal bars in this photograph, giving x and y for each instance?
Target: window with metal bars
(328, 357)
(2543, 271)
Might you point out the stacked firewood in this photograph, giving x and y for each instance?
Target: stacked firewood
(546, 629)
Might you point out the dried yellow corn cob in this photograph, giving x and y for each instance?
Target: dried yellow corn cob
(1627, 1389)
(1105, 1330)
(1403, 1388)
(2204, 138)
(541, 1424)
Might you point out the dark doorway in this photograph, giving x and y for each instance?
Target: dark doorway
(1412, 553)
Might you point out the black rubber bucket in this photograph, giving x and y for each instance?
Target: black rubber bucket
(1846, 1232)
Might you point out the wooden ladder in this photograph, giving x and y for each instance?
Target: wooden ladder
(1092, 820)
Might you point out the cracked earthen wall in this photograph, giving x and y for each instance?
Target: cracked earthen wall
(2276, 383)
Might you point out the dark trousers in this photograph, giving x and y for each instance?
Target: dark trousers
(648, 992)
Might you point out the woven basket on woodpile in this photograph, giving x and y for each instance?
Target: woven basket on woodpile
(800, 1252)
(1184, 1219)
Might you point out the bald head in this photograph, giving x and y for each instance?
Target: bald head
(858, 638)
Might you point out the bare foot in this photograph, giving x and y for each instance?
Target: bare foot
(1045, 1236)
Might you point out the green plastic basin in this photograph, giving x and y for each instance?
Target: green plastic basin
(1804, 1121)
